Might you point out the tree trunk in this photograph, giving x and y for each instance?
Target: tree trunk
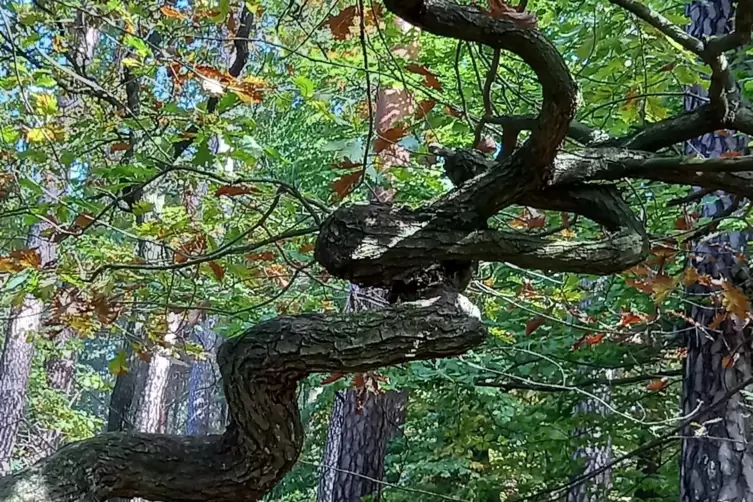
(202, 383)
(716, 465)
(353, 460)
(18, 351)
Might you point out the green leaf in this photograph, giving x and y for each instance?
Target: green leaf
(119, 364)
(305, 85)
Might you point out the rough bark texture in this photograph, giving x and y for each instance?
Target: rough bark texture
(717, 466)
(18, 350)
(356, 444)
(202, 383)
(260, 372)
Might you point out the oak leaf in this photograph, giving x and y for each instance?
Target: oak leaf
(389, 137)
(235, 190)
(217, 270)
(430, 79)
(734, 300)
(534, 324)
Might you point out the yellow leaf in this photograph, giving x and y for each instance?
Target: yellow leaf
(172, 12)
(118, 366)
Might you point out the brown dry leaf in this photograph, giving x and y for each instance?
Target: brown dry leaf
(345, 184)
(346, 164)
(389, 137)
(212, 73)
(683, 223)
(628, 318)
(534, 324)
(263, 256)
(594, 339)
(232, 23)
(120, 147)
(333, 377)
(734, 300)
(306, 248)
(656, 385)
(537, 221)
(424, 107)
(663, 251)
(430, 79)
(690, 276)
(217, 270)
(172, 12)
(235, 190)
(662, 285)
(27, 258)
(340, 23)
(82, 221)
(640, 285)
(500, 10)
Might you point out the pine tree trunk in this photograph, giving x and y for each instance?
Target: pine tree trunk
(718, 464)
(18, 350)
(353, 460)
(202, 383)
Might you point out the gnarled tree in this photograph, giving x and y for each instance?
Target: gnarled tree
(424, 256)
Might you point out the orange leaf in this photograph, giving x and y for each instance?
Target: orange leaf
(263, 256)
(345, 184)
(424, 107)
(333, 377)
(538, 221)
(534, 324)
(341, 23)
(656, 385)
(120, 147)
(172, 12)
(628, 318)
(730, 155)
(594, 339)
(217, 270)
(195, 245)
(683, 223)
(306, 248)
(663, 251)
(388, 137)
(234, 190)
(500, 10)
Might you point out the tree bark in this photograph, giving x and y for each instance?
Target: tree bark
(202, 383)
(716, 465)
(260, 371)
(353, 460)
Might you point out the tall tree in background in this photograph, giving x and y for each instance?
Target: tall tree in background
(717, 462)
(27, 319)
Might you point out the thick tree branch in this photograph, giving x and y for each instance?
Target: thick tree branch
(469, 23)
(260, 370)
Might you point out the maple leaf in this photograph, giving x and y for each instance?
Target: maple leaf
(662, 285)
(346, 164)
(217, 270)
(500, 10)
(389, 137)
(172, 12)
(534, 324)
(235, 190)
(195, 245)
(430, 79)
(340, 23)
(628, 318)
(734, 300)
(690, 276)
